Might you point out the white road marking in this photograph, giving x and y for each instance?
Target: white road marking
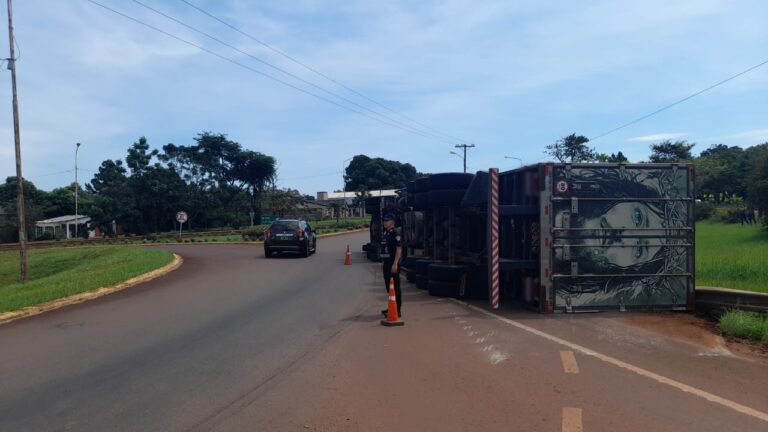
(569, 362)
(743, 409)
(572, 420)
(498, 357)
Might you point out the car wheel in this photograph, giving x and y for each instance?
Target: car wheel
(267, 252)
(305, 252)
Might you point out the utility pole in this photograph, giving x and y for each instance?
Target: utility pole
(465, 147)
(17, 141)
(76, 188)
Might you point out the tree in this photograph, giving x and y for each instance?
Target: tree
(757, 177)
(572, 148)
(377, 173)
(618, 158)
(721, 172)
(114, 200)
(668, 151)
(139, 156)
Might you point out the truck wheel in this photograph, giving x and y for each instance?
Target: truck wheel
(450, 181)
(443, 289)
(421, 184)
(410, 276)
(477, 284)
(420, 200)
(445, 198)
(422, 265)
(422, 281)
(444, 272)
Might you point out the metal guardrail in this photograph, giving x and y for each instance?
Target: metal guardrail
(719, 300)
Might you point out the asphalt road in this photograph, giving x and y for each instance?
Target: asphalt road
(236, 342)
(183, 351)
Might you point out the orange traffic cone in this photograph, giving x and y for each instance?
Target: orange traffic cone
(348, 259)
(392, 318)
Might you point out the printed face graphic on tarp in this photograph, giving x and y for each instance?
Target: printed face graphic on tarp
(621, 237)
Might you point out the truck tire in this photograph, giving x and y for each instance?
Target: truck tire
(420, 200)
(445, 198)
(443, 289)
(444, 272)
(410, 276)
(422, 265)
(421, 185)
(450, 181)
(410, 262)
(422, 281)
(477, 285)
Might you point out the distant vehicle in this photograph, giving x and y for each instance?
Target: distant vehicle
(290, 235)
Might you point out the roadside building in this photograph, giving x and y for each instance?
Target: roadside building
(349, 203)
(63, 227)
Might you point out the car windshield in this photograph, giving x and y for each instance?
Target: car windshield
(285, 225)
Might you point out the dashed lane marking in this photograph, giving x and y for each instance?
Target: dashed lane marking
(569, 362)
(743, 409)
(572, 420)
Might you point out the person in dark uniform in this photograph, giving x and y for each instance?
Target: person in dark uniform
(391, 252)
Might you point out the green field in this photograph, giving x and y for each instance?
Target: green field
(57, 273)
(732, 256)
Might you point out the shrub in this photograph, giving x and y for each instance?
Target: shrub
(704, 210)
(748, 325)
(254, 234)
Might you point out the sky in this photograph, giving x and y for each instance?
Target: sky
(507, 76)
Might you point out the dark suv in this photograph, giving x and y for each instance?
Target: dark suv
(290, 235)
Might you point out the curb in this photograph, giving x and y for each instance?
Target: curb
(7, 317)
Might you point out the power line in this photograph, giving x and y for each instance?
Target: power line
(256, 71)
(311, 69)
(279, 69)
(639, 119)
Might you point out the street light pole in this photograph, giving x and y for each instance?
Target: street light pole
(77, 148)
(17, 141)
(517, 158)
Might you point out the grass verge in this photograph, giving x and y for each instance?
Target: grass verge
(59, 273)
(747, 325)
(732, 256)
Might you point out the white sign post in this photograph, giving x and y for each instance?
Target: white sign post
(181, 217)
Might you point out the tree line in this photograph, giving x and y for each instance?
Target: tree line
(725, 174)
(215, 180)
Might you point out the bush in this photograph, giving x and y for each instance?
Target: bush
(254, 234)
(704, 210)
(47, 236)
(747, 325)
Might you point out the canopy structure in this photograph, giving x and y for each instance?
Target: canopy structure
(62, 226)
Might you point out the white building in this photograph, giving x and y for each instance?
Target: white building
(347, 199)
(63, 226)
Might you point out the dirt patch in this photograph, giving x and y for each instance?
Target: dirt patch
(695, 330)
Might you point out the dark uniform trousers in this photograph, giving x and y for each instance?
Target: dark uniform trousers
(387, 269)
(389, 244)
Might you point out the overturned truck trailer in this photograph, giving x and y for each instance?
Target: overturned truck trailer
(559, 237)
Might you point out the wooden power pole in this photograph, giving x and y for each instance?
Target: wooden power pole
(17, 140)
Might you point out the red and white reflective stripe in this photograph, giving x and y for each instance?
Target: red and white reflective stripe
(392, 298)
(494, 217)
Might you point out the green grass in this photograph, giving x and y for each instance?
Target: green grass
(57, 273)
(747, 325)
(732, 256)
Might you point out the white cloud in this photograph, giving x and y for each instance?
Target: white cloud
(658, 137)
(754, 134)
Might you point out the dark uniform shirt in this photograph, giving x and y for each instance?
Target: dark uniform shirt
(389, 244)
